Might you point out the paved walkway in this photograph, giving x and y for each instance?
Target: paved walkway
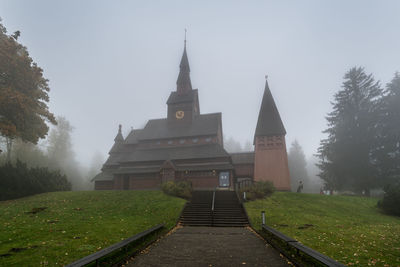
(210, 246)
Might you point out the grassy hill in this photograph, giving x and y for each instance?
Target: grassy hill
(71, 225)
(349, 229)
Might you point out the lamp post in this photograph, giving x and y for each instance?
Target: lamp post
(263, 217)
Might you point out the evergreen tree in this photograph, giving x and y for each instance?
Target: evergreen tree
(297, 166)
(345, 156)
(61, 155)
(387, 152)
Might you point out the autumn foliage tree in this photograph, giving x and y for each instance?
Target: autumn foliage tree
(23, 93)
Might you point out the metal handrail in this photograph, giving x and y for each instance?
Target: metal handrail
(212, 209)
(213, 202)
(99, 254)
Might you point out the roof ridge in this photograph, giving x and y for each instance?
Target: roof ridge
(213, 113)
(173, 147)
(244, 152)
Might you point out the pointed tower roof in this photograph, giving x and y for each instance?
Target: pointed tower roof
(118, 141)
(119, 137)
(269, 121)
(183, 84)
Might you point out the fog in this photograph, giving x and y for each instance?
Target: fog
(113, 63)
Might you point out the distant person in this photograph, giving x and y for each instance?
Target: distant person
(321, 191)
(300, 187)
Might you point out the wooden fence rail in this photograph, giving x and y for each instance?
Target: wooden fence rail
(99, 254)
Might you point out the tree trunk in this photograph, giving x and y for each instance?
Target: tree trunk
(9, 142)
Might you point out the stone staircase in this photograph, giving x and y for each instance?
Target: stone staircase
(227, 210)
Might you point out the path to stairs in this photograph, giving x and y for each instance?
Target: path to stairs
(210, 246)
(226, 211)
(198, 243)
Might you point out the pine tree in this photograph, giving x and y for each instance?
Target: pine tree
(387, 152)
(297, 166)
(345, 155)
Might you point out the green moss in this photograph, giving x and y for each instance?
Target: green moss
(76, 224)
(348, 229)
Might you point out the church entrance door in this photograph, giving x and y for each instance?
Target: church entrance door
(168, 175)
(224, 179)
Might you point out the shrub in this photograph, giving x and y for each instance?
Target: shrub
(391, 199)
(258, 190)
(181, 189)
(20, 181)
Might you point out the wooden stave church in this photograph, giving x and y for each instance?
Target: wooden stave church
(188, 146)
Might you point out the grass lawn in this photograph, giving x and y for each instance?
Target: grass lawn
(76, 224)
(348, 229)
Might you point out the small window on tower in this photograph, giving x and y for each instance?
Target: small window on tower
(195, 140)
(182, 141)
(158, 143)
(170, 142)
(208, 139)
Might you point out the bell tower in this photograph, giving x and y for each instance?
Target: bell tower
(271, 162)
(183, 104)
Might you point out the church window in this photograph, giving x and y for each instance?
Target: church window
(182, 141)
(195, 140)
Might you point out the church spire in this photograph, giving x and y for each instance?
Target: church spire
(183, 84)
(118, 142)
(269, 121)
(119, 137)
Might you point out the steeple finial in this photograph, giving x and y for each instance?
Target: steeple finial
(185, 37)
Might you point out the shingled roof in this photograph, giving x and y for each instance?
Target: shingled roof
(269, 121)
(174, 153)
(114, 158)
(132, 137)
(243, 158)
(103, 176)
(202, 125)
(194, 167)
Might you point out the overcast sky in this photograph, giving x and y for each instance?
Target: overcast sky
(116, 62)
